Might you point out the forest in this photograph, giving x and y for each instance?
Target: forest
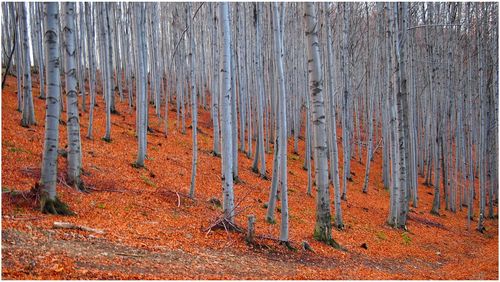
(249, 140)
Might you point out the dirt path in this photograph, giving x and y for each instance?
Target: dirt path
(97, 258)
(100, 257)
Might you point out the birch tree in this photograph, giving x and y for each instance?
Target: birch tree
(141, 83)
(278, 39)
(28, 107)
(73, 120)
(50, 203)
(215, 84)
(259, 153)
(194, 105)
(227, 147)
(334, 169)
(323, 227)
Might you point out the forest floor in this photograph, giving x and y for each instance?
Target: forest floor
(152, 231)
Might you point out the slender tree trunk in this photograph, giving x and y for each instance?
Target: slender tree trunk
(194, 105)
(323, 227)
(334, 160)
(107, 68)
(215, 85)
(278, 39)
(73, 119)
(260, 153)
(28, 107)
(227, 147)
(92, 68)
(49, 201)
(345, 102)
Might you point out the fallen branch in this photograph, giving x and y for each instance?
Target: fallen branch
(114, 190)
(129, 255)
(22, 218)
(178, 194)
(67, 225)
(145, 207)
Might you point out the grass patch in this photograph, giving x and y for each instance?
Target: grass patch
(101, 206)
(19, 150)
(148, 181)
(6, 189)
(381, 235)
(406, 238)
(18, 210)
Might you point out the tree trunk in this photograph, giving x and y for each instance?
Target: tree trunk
(227, 147)
(323, 227)
(28, 107)
(73, 119)
(49, 201)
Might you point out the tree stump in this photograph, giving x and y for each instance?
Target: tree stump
(251, 229)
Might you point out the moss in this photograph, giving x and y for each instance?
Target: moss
(320, 236)
(335, 245)
(288, 245)
(339, 226)
(55, 206)
(270, 220)
(78, 183)
(107, 140)
(406, 238)
(236, 180)
(20, 150)
(381, 235)
(136, 165)
(434, 212)
(148, 181)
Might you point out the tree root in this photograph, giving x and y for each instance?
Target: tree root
(288, 245)
(136, 165)
(56, 206)
(224, 223)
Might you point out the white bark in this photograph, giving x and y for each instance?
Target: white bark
(323, 227)
(260, 153)
(215, 85)
(194, 105)
(278, 39)
(51, 141)
(73, 120)
(227, 147)
(334, 160)
(28, 107)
